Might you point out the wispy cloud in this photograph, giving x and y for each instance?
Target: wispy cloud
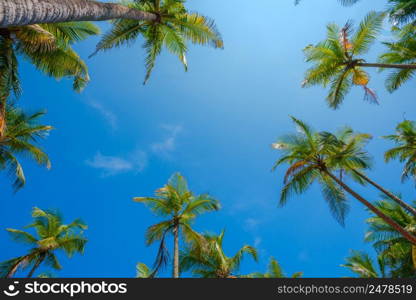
(168, 144)
(114, 165)
(107, 114)
(136, 161)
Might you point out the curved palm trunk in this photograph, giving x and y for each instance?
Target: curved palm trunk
(399, 201)
(13, 270)
(27, 12)
(388, 66)
(375, 210)
(15, 266)
(36, 265)
(176, 251)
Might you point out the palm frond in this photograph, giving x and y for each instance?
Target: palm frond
(367, 32)
(22, 236)
(336, 199)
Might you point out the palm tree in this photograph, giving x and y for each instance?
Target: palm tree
(274, 270)
(143, 271)
(161, 23)
(174, 27)
(398, 253)
(405, 150)
(180, 207)
(48, 48)
(402, 51)
(361, 264)
(21, 138)
(396, 257)
(29, 12)
(336, 63)
(52, 235)
(347, 143)
(311, 158)
(210, 260)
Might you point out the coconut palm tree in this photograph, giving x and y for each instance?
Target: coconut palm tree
(346, 144)
(48, 48)
(51, 235)
(402, 51)
(311, 158)
(180, 207)
(398, 253)
(210, 260)
(29, 12)
(161, 22)
(336, 61)
(174, 27)
(274, 270)
(21, 138)
(405, 150)
(396, 257)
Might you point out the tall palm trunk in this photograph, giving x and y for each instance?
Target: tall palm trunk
(399, 201)
(375, 210)
(3, 103)
(36, 265)
(5, 77)
(176, 250)
(388, 66)
(26, 12)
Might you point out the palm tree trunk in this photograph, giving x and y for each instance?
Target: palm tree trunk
(27, 12)
(414, 256)
(176, 251)
(388, 66)
(3, 103)
(16, 266)
(399, 201)
(4, 84)
(36, 265)
(375, 210)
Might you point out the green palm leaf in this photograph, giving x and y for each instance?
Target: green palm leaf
(52, 235)
(174, 28)
(179, 206)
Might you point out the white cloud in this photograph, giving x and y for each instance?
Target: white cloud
(114, 165)
(108, 115)
(165, 147)
(136, 161)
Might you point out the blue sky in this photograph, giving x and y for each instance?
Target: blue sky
(214, 124)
